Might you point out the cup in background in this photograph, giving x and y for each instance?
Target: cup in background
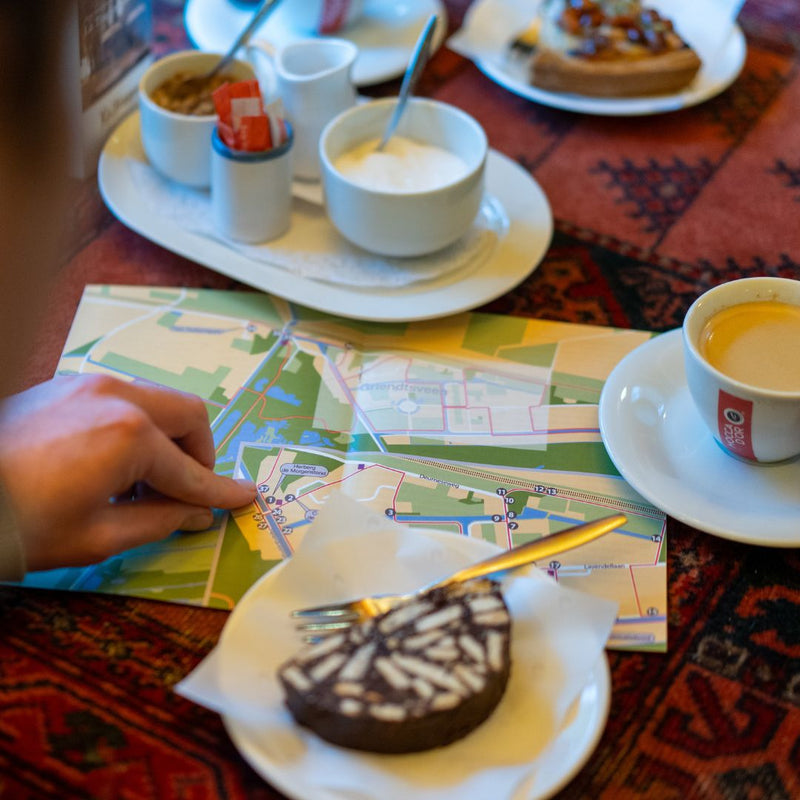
(251, 192)
(312, 79)
(757, 424)
(179, 145)
(322, 17)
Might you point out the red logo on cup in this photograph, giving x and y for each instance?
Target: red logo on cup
(734, 423)
(334, 15)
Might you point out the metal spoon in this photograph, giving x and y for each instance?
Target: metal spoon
(264, 10)
(415, 66)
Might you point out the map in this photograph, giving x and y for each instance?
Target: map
(477, 424)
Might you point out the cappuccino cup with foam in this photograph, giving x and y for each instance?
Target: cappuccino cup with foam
(741, 344)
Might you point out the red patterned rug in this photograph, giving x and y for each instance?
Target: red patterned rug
(86, 702)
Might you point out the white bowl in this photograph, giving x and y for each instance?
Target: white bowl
(179, 145)
(403, 223)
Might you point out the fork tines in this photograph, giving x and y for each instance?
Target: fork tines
(332, 612)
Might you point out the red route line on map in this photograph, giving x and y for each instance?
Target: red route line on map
(262, 418)
(352, 475)
(259, 395)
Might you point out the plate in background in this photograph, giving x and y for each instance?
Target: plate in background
(385, 35)
(716, 75)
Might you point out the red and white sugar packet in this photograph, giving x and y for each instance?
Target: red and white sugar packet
(333, 15)
(277, 120)
(243, 121)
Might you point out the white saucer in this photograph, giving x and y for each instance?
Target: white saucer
(385, 35)
(575, 743)
(715, 76)
(658, 442)
(279, 758)
(517, 252)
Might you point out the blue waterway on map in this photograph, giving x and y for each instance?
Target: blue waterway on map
(198, 329)
(467, 520)
(267, 433)
(249, 432)
(279, 394)
(264, 433)
(315, 438)
(262, 384)
(226, 424)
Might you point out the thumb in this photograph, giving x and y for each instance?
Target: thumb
(123, 526)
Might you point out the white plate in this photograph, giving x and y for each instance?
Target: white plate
(385, 35)
(660, 445)
(716, 74)
(516, 254)
(566, 755)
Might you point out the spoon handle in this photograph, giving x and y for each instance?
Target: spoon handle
(415, 66)
(266, 8)
(538, 549)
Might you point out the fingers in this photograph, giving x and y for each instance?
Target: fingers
(100, 437)
(171, 445)
(112, 529)
(183, 417)
(169, 470)
(123, 526)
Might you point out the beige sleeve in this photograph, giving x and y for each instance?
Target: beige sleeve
(12, 557)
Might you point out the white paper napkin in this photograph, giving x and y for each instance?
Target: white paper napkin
(313, 248)
(558, 637)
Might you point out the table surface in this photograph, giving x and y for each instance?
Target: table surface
(649, 212)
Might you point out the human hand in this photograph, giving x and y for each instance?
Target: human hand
(72, 448)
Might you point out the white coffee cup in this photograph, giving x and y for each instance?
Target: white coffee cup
(754, 423)
(313, 79)
(321, 16)
(179, 145)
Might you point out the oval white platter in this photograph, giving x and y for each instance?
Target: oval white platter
(519, 248)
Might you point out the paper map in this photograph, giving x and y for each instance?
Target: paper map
(478, 424)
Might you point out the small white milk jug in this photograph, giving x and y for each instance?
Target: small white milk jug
(312, 78)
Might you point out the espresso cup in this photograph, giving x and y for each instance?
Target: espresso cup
(321, 16)
(741, 344)
(178, 145)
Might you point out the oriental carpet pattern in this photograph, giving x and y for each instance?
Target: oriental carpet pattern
(648, 213)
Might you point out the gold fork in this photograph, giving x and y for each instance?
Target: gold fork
(321, 620)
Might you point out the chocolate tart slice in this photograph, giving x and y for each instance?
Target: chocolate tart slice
(423, 675)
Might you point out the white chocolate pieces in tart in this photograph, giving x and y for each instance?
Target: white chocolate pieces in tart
(606, 48)
(423, 675)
